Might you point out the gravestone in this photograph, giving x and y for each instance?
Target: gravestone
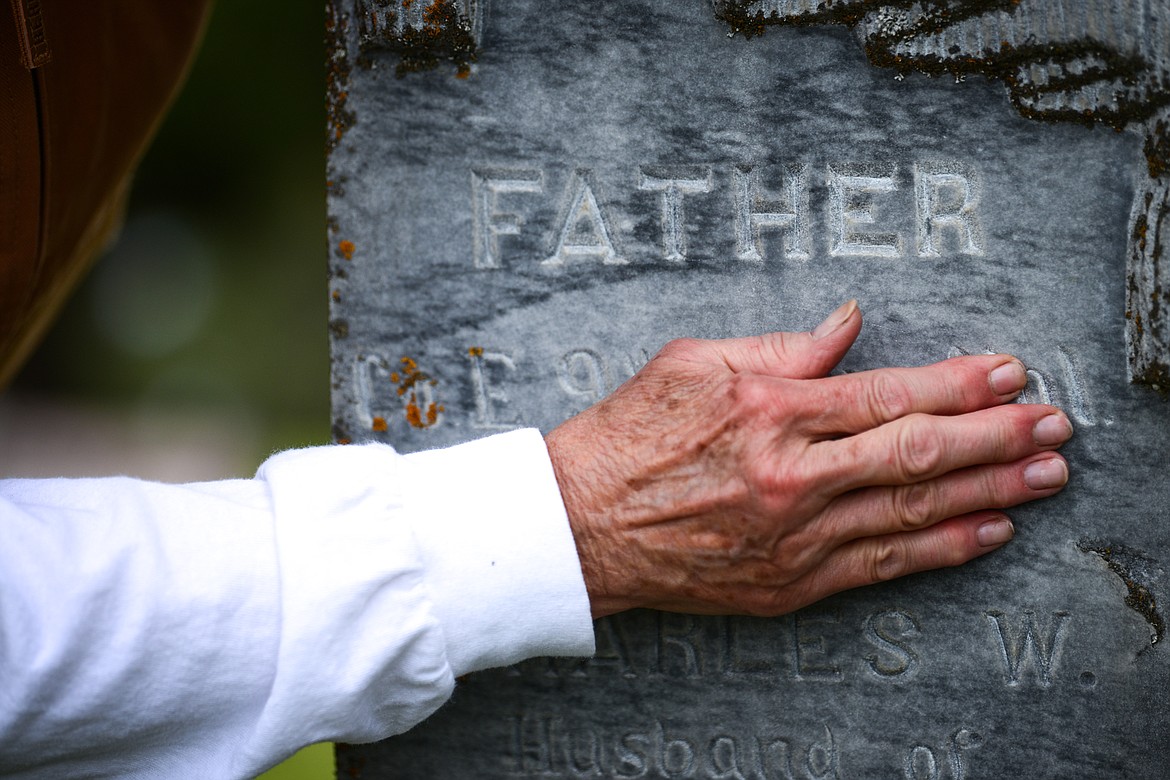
(528, 199)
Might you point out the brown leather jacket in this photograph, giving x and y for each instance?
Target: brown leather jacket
(83, 86)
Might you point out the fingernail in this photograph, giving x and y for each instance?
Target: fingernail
(995, 532)
(1008, 379)
(1045, 474)
(835, 320)
(1052, 430)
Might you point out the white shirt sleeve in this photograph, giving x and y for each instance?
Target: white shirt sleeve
(210, 630)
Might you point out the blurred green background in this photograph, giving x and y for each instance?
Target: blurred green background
(198, 345)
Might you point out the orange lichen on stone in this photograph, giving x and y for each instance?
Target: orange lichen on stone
(475, 352)
(414, 415)
(408, 381)
(379, 425)
(347, 249)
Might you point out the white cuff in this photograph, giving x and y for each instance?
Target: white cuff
(500, 559)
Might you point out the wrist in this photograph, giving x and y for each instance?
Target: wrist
(588, 524)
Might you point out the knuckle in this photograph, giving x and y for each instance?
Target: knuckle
(751, 393)
(774, 487)
(1009, 434)
(919, 449)
(912, 506)
(679, 348)
(802, 553)
(887, 560)
(888, 397)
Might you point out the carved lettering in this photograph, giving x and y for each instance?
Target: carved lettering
(776, 758)
(961, 740)
(582, 375)
(1040, 390)
(887, 631)
(633, 753)
(945, 205)
(680, 642)
(612, 648)
(807, 647)
(612, 657)
(585, 231)
(486, 368)
(488, 222)
(811, 656)
(546, 746)
(734, 661)
(673, 186)
(587, 376)
(946, 198)
(726, 762)
(851, 194)
(420, 406)
(365, 369)
(1023, 644)
(1037, 390)
(1075, 402)
(1043, 389)
(922, 762)
(822, 761)
(583, 753)
(532, 746)
(676, 754)
(753, 215)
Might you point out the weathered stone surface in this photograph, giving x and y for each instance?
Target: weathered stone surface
(611, 176)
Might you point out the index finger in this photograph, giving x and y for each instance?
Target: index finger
(854, 403)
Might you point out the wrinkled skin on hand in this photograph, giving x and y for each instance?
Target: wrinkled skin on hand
(738, 477)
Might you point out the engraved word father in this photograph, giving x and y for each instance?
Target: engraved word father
(945, 200)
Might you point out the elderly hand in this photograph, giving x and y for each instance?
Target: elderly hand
(737, 477)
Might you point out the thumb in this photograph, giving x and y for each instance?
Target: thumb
(795, 355)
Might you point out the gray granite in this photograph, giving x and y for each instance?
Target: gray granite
(610, 176)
